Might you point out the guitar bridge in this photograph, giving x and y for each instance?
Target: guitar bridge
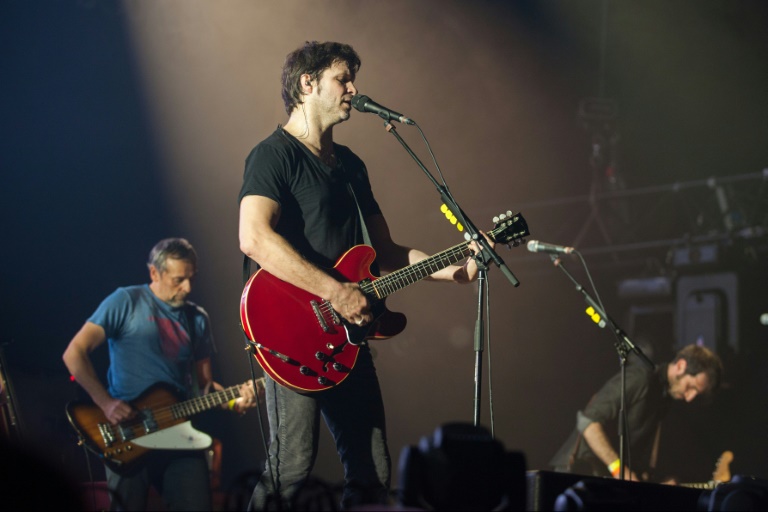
(107, 435)
(324, 313)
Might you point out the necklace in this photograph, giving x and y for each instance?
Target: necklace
(328, 159)
(331, 160)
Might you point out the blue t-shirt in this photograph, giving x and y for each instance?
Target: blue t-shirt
(150, 341)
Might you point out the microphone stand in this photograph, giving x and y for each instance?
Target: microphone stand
(11, 426)
(485, 254)
(482, 277)
(623, 346)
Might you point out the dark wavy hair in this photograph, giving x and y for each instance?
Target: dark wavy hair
(701, 359)
(312, 58)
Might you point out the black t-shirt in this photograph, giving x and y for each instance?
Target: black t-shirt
(318, 215)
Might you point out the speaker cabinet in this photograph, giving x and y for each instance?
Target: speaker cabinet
(562, 491)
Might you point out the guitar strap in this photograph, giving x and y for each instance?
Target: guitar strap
(366, 237)
(189, 313)
(655, 450)
(246, 276)
(247, 268)
(363, 228)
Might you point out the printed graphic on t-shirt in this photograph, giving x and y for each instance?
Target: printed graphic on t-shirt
(172, 336)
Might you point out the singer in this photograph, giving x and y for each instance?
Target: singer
(301, 204)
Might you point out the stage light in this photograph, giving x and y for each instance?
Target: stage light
(741, 493)
(461, 467)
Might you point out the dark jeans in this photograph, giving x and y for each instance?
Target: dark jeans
(180, 477)
(354, 413)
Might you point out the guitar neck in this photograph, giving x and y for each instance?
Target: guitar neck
(205, 402)
(209, 401)
(411, 274)
(699, 485)
(722, 473)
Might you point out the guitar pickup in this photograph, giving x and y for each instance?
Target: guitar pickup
(148, 420)
(126, 432)
(130, 431)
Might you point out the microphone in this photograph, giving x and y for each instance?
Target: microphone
(536, 246)
(363, 103)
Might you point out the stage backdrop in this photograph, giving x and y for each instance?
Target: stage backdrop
(123, 123)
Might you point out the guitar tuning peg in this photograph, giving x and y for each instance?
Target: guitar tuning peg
(496, 219)
(516, 243)
(509, 213)
(502, 216)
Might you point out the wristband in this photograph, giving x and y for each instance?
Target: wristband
(615, 467)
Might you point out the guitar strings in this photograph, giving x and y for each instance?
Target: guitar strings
(386, 285)
(184, 409)
(408, 275)
(419, 270)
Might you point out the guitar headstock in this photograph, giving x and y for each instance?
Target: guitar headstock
(509, 228)
(722, 468)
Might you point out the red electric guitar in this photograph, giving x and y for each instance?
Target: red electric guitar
(303, 344)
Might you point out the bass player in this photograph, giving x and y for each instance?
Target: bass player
(155, 335)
